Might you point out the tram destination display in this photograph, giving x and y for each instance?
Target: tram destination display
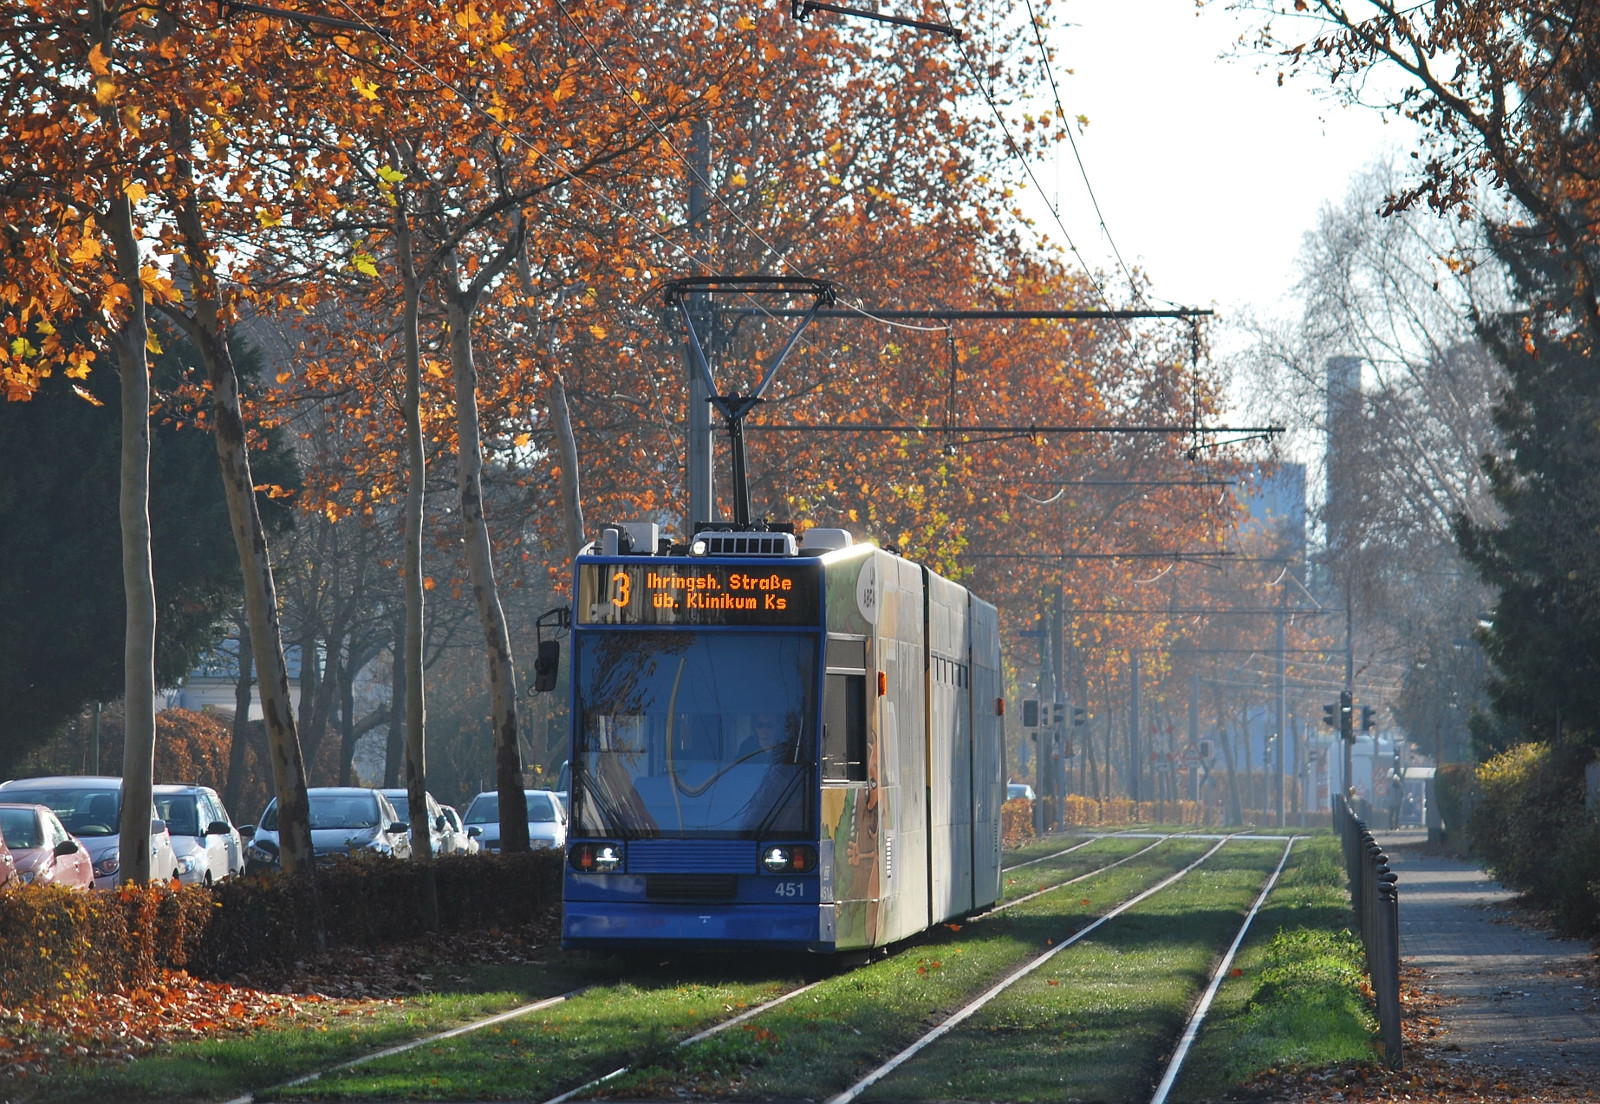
(698, 594)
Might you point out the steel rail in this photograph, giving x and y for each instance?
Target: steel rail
(967, 1010)
(388, 1052)
(695, 1038)
(1054, 854)
(1191, 1030)
(1075, 880)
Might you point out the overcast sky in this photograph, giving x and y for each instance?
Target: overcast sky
(1207, 172)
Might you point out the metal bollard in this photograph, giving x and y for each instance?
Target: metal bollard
(1389, 994)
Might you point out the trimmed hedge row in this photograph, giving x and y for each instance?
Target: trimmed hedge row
(60, 942)
(1529, 825)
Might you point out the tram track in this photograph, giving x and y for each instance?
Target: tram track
(743, 1017)
(751, 1013)
(1191, 1029)
(967, 1010)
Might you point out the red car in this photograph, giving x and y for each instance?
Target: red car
(45, 852)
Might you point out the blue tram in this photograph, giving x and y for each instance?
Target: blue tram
(796, 745)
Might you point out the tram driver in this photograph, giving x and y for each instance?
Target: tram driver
(767, 738)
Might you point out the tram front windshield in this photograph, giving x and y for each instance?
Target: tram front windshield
(695, 734)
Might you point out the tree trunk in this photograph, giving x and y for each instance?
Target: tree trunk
(1235, 811)
(485, 594)
(261, 602)
(416, 743)
(138, 579)
(567, 454)
(205, 327)
(394, 748)
(347, 715)
(234, 787)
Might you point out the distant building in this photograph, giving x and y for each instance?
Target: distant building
(209, 687)
(1276, 501)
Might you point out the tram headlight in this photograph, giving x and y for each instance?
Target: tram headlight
(789, 858)
(595, 858)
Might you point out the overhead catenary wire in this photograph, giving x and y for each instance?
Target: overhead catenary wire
(1066, 125)
(1016, 151)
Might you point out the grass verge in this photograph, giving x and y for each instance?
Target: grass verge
(326, 1034)
(1294, 1000)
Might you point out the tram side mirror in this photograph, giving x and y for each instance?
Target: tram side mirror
(545, 667)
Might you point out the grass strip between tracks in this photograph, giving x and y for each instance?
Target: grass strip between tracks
(857, 1010)
(1098, 1020)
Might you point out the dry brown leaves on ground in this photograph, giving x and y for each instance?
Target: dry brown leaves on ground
(119, 1027)
(111, 1027)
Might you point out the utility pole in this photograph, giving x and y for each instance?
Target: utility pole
(1133, 725)
(1194, 735)
(1282, 707)
(698, 463)
(1348, 781)
(1060, 709)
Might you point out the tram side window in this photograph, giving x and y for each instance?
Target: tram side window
(844, 728)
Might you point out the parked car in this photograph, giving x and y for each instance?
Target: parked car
(547, 819)
(44, 851)
(206, 843)
(1015, 790)
(436, 821)
(345, 820)
(458, 841)
(8, 863)
(91, 809)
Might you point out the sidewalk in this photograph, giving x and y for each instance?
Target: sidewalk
(1520, 999)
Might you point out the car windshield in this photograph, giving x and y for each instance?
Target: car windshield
(20, 828)
(332, 811)
(86, 811)
(694, 734)
(181, 812)
(485, 809)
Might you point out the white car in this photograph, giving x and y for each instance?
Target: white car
(90, 807)
(458, 841)
(547, 820)
(437, 824)
(206, 843)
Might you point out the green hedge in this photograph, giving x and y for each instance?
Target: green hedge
(57, 942)
(1530, 827)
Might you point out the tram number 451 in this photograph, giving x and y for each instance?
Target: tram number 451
(790, 889)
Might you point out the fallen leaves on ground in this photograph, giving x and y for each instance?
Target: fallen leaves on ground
(111, 1027)
(119, 1027)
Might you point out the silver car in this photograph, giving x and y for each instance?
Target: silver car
(547, 820)
(90, 807)
(204, 840)
(344, 820)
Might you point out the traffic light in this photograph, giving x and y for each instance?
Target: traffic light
(1030, 713)
(1330, 715)
(1080, 716)
(1369, 718)
(1058, 714)
(1346, 716)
